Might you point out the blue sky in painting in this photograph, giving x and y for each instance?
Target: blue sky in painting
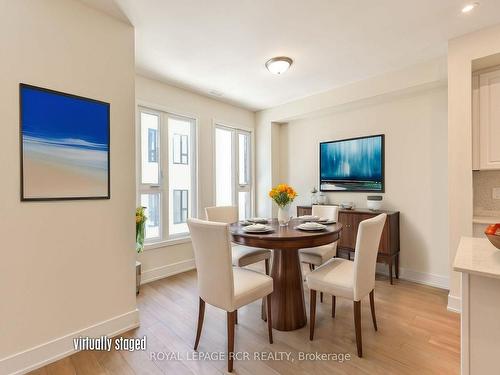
(354, 160)
(62, 120)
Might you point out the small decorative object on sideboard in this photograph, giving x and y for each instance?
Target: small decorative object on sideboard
(314, 197)
(140, 224)
(322, 199)
(283, 195)
(347, 205)
(493, 233)
(374, 202)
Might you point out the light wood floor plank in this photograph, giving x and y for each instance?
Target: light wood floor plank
(417, 335)
(62, 367)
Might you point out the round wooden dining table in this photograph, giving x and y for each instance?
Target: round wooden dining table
(288, 306)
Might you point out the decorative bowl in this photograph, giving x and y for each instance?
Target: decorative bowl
(493, 234)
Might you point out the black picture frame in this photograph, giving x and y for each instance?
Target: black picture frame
(363, 190)
(21, 148)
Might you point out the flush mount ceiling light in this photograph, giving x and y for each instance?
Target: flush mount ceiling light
(469, 7)
(278, 65)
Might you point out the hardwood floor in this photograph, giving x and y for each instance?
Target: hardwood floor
(416, 335)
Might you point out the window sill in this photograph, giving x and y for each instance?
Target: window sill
(166, 243)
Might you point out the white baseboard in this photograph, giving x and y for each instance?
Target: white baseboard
(430, 279)
(48, 352)
(454, 304)
(166, 271)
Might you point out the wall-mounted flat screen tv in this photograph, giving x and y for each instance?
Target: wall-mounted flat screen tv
(355, 164)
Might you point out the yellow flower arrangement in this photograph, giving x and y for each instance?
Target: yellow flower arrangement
(282, 194)
(140, 221)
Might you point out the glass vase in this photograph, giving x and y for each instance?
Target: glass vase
(284, 215)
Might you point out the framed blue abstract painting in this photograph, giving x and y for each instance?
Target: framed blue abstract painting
(64, 146)
(355, 164)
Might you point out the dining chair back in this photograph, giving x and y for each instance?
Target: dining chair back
(330, 212)
(222, 214)
(316, 256)
(352, 280)
(212, 255)
(242, 256)
(365, 258)
(221, 285)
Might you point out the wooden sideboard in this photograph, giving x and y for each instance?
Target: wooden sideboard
(388, 251)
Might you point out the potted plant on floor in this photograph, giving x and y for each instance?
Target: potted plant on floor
(140, 227)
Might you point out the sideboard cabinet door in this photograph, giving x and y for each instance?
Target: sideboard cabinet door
(349, 230)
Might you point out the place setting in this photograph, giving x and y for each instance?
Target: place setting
(258, 228)
(316, 219)
(258, 220)
(311, 226)
(254, 220)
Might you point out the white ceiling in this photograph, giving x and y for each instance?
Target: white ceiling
(222, 45)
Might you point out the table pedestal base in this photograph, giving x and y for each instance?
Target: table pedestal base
(288, 306)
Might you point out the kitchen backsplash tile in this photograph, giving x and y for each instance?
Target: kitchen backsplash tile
(483, 184)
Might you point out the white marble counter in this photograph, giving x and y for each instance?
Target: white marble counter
(485, 219)
(477, 256)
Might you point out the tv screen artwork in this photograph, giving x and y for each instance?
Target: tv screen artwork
(64, 146)
(355, 164)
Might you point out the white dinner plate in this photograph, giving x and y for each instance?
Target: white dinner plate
(257, 228)
(308, 218)
(327, 222)
(307, 227)
(260, 220)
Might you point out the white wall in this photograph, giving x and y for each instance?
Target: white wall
(355, 95)
(462, 52)
(69, 265)
(410, 107)
(166, 260)
(415, 129)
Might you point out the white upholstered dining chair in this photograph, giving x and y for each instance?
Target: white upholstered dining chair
(222, 285)
(316, 256)
(241, 255)
(347, 279)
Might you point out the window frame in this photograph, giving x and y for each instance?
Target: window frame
(237, 187)
(154, 149)
(181, 153)
(163, 186)
(183, 210)
(151, 188)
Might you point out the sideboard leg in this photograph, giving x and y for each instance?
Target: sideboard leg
(390, 269)
(397, 265)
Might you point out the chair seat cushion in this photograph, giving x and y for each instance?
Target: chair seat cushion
(318, 255)
(250, 286)
(245, 255)
(335, 277)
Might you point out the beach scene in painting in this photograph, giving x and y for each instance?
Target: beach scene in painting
(65, 143)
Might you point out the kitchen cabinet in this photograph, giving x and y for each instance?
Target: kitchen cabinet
(479, 263)
(486, 120)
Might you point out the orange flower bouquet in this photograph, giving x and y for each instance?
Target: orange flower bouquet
(283, 195)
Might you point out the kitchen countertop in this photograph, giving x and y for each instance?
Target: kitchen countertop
(482, 216)
(485, 219)
(477, 256)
